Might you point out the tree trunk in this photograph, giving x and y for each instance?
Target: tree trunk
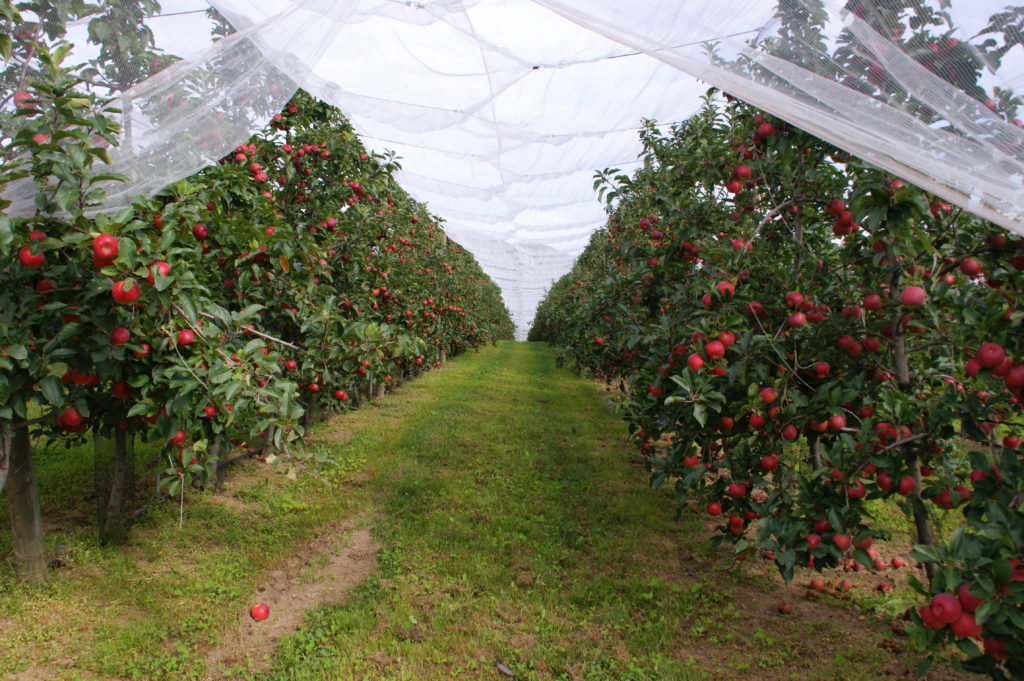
(113, 529)
(268, 444)
(814, 447)
(309, 418)
(23, 503)
(5, 456)
(902, 366)
(220, 470)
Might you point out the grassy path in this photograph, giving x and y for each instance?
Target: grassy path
(516, 534)
(518, 530)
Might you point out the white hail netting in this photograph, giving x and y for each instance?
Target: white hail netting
(501, 110)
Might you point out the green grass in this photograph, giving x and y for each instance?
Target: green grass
(510, 521)
(515, 527)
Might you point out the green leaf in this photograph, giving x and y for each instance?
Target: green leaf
(52, 390)
(1001, 571)
(66, 198)
(107, 177)
(915, 584)
(6, 234)
(985, 610)
(138, 408)
(924, 665)
(18, 352)
(925, 554)
(700, 414)
(863, 557)
(969, 647)
(188, 308)
(834, 520)
(658, 478)
(1016, 617)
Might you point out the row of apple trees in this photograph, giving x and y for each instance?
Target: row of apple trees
(283, 281)
(797, 334)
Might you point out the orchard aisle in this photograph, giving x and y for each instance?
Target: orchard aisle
(519, 537)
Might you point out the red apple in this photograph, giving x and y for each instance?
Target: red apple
(968, 602)
(186, 337)
(907, 485)
(946, 607)
(842, 541)
(970, 267)
(695, 362)
(23, 100)
(71, 417)
(104, 247)
(991, 355)
(714, 350)
(929, 618)
(157, 267)
(259, 612)
(835, 207)
(120, 336)
(769, 395)
(200, 230)
(29, 260)
(913, 296)
(126, 291)
(996, 649)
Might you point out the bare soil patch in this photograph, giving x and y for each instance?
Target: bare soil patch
(324, 571)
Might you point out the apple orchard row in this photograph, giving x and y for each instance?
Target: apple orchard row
(798, 338)
(283, 281)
